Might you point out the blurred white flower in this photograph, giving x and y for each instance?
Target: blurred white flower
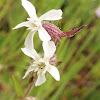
(98, 12)
(30, 98)
(41, 64)
(34, 23)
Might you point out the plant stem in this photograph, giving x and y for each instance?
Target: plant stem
(29, 88)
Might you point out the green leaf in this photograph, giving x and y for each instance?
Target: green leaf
(17, 86)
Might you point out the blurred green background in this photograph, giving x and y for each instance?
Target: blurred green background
(80, 55)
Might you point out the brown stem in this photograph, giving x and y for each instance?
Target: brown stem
(29, 89)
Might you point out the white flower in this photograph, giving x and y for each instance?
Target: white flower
(98, 12)
(34, 23)
(30, 98)
(41, 65)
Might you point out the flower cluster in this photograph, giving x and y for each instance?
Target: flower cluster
(50, 36)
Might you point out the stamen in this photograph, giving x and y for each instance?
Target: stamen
(41, 65)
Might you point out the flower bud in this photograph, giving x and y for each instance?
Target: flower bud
(52, 30)
(52, 60)
(56, 34)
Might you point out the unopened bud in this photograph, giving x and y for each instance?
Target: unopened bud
(72, 32)
(52, 30)
(52, 60)
(56, 34)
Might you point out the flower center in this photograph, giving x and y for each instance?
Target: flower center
(37, 23)
(41, 65)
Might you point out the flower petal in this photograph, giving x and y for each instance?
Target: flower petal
(54, 72)
(44, 36)
(28, 71)
(52, 15)
(31, 53)
(29, 40)
(29, 8)
(40, 80)
(49, 49)
(26, 24)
